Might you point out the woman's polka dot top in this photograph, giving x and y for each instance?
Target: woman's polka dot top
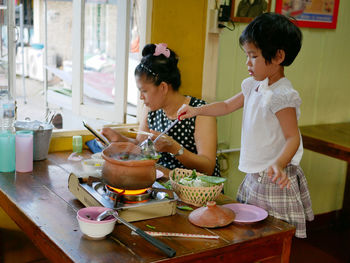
(182, 132)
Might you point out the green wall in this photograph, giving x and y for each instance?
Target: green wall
(321, 74)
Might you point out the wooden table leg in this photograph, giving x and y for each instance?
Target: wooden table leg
(287, 245)
(345, 214)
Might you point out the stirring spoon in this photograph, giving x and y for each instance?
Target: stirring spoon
(166, 130)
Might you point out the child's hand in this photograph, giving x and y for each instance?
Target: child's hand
(187, 111)
(276, 174)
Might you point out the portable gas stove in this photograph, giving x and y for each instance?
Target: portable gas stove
(152, 203)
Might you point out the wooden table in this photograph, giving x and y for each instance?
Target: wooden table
(332, 140)
(42, 206)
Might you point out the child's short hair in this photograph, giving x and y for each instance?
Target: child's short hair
(271, 32)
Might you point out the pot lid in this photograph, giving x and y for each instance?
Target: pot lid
(211, 216)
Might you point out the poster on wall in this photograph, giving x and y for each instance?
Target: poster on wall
(310, 13)
(247, 10)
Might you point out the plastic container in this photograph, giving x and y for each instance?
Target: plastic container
(93, 165)
(42, 136)
(7, 152)
(77, 144)
(24, 151)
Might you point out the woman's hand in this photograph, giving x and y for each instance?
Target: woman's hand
(276, 173)
(111, 135)
(186, 112)
(165, 143)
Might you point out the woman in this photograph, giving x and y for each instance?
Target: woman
(191, 143)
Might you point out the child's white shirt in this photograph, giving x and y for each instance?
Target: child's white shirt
(262, 139)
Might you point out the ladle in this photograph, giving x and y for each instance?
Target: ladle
(155, 242)
(147, 146)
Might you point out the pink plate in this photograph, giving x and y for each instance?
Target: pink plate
(247, 213)
(159, 174)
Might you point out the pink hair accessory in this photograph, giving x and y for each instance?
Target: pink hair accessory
(161, 48)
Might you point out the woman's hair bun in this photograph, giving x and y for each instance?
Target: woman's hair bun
(148, 50)
(159, 67)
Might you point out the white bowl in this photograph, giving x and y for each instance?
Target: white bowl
(92, 165)
(97, 156)
(90, 227)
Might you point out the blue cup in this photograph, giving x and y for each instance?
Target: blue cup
(7, 152)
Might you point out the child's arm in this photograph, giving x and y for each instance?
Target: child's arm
(213, 109)
(289, 124)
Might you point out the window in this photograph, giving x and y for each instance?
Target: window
(90, 49)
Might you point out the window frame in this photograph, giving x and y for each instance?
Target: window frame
(11, 53)
(120, 101)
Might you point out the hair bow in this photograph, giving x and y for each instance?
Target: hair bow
(162, 49)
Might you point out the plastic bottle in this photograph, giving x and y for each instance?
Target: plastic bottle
(1, 114)
(8, 114)
(3, 97)
(77, 144)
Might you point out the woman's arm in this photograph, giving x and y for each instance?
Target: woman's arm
(289, 124)
(213, 109)
(114, 136)
(206, 142)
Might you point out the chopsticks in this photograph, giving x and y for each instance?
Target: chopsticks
(170, 234)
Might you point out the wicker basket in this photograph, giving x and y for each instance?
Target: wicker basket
(197, 196)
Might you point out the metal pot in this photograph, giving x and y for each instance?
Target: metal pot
(42, 136)
(127, 174)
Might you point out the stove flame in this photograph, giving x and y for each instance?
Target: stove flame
(127, 192)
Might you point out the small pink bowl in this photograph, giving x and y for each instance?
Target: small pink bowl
(92, 228)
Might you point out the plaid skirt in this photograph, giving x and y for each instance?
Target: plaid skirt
(292, 205)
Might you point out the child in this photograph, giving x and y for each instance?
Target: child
(271, 146)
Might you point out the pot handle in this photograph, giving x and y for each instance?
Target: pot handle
(155, 242)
